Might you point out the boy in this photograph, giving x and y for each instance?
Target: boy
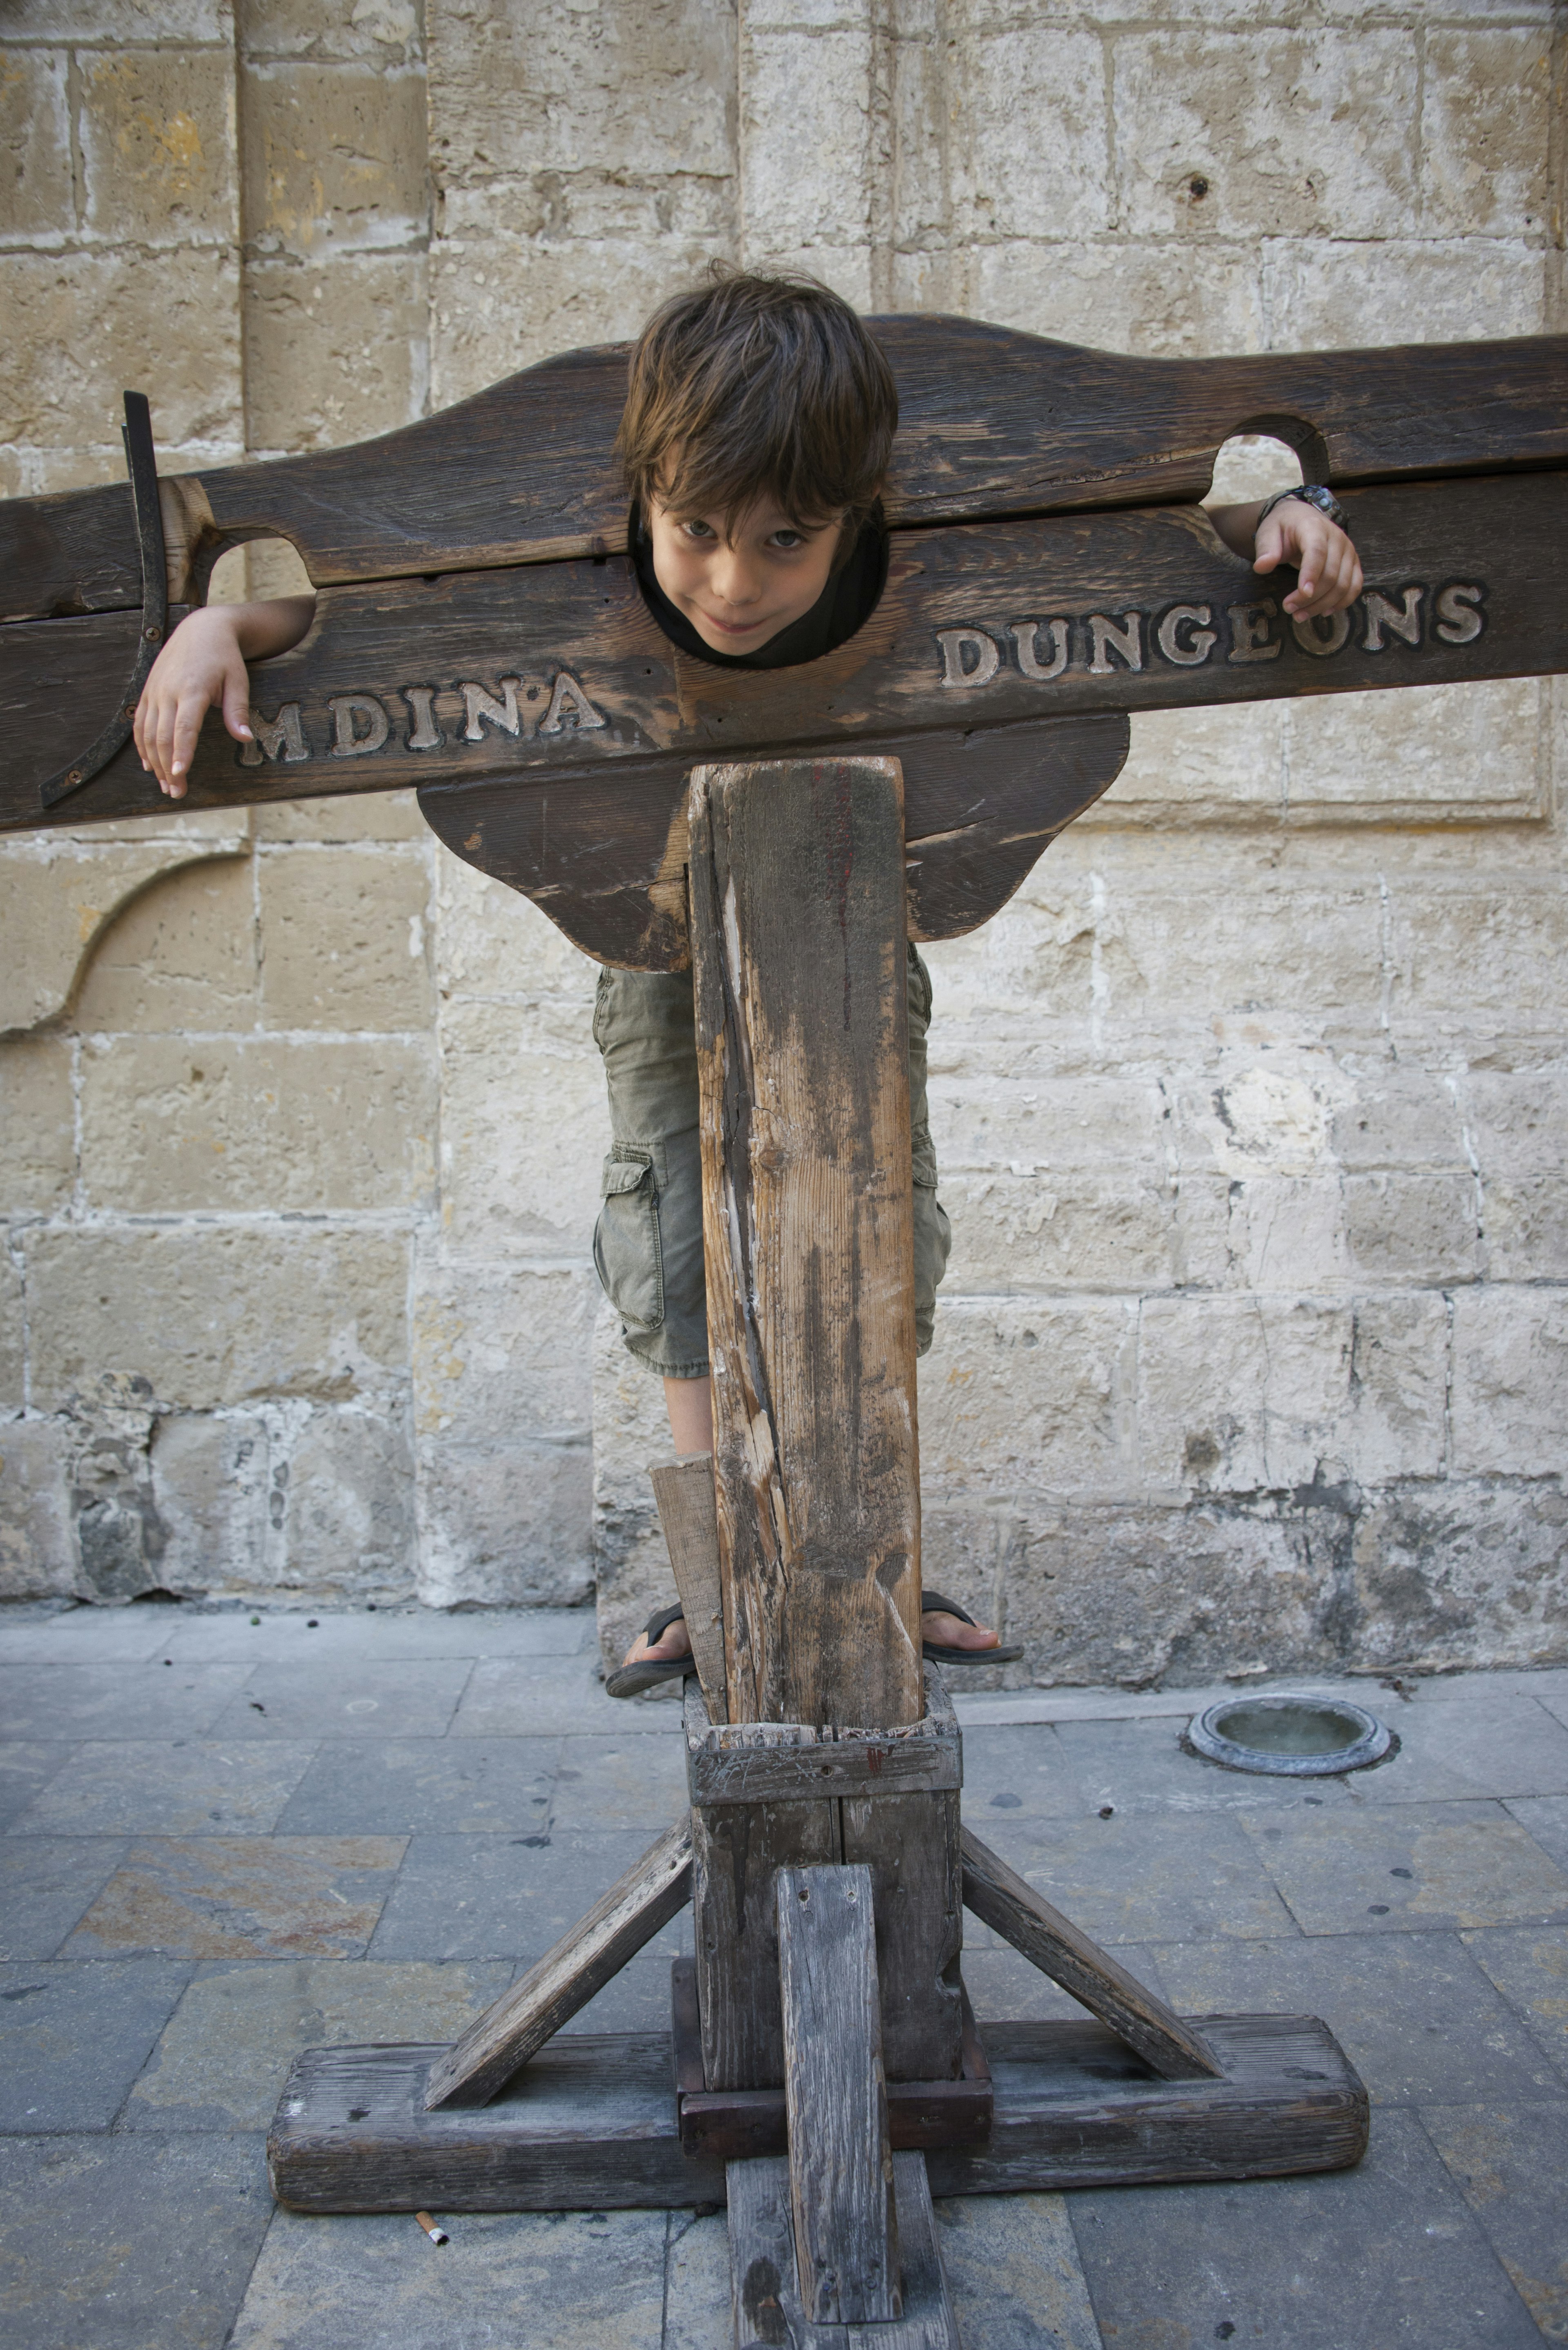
(756, 438)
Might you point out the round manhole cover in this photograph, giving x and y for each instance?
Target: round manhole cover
(1297, 1737)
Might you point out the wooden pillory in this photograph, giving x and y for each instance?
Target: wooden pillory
(824, 2073)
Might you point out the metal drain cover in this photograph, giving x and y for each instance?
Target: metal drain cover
(1294, 1737)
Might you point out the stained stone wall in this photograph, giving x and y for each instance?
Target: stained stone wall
(1251, 1106)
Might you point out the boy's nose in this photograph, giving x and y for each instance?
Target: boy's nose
(735, 581)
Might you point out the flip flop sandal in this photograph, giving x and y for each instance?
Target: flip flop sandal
(630, 1680)
(932, 1602)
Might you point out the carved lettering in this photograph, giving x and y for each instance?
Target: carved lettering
(482, 707)
(1187, 651)
(1458, 620)
(1252, 630)
(1027, 638)
(424, 734)
(958, 647)
(1106, 637)
(1401, 619)
(568, 699)
(1307, 633)
(283, 735)
(348, 709)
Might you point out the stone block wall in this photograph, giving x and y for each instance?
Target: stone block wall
(1251, 1106)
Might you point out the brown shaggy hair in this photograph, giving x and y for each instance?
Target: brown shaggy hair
(762, 386)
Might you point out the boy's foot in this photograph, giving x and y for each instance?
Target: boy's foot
(663, 1646)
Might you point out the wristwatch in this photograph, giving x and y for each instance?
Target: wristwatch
(1314, 494)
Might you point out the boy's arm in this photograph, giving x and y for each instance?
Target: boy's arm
(203, 662)
(1295, 533)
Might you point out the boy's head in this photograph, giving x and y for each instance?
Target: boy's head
(759, 421)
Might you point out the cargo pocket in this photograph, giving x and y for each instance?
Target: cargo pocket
(627, 1251)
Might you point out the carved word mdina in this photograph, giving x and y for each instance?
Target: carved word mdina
(359, 723)
(1188, 636)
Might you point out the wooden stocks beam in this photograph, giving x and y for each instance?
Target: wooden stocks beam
(799, 954)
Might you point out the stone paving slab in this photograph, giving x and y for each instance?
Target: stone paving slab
(1415, 2014)
(697, 2283)
(630, 1782)
(26, 1767)
(1406, 1867)
(86, 1635)
(570, 2281)
(503, 1897)
(1450, 1752)
(1531, 1970)
(73, 2038)
(1139, 1765)
(1003, 1988)
(1014, 2271)
(147, 1699)
(1545, 1818)
(232, 1897)
(1509, 2164)
(129, 2243)
(1146, 1876)
(637, 1999)
(383, 1637)
(45, 1884)
(341, 1699)
(447, 1786)
(187, 1786)
(1388, 2256)
(225, 2053)
(1022, 1770)
(531, 1698)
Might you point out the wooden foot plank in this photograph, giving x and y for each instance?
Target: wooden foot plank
(501, 2040)
(684, 1492)
(591, 2124)
(1010, 1907)
(840, 2161)
(767, 2305)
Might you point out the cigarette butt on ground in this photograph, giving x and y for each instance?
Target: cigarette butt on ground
(437, 2235)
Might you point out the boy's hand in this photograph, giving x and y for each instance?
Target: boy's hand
(203, 662)
(1295, 533)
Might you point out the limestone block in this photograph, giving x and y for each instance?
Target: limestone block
(157, 144)
(82, 326)
(1515, 1119)
(631, 1562)
(1459, 752)
(1241, 1394)
(1288, 1232)
(1022, 1231)
(524, 1128)
(214, 1316)
(37, 1125)
(1040, 951)
(181, 954)
(1399, 1116)
(351, 815)
(990, 1120)
(1472, 1574)
(383, 29)
(335, 351)
(492, 942)
(635, 86)
(504, 1354)
(1162, 298)
(58, 898)
(1433, 291)
(507, 1528)
(346, 1521)
(1269, 1113)
(495, 308)
(1199, 766)
(1033, 155)
(1496, 947)
(1036, 1391)
(1305, 134)
(1250, 940)
(962, 1554)
(117, 21)
(211, 1478)
(1405, 1227)
(1134, 1596)
(244, 1123)
(1524, 1221)
(1252, 465)
(36, 197)
(683, 209)
(345, 939)
(1510, 1375)
(119, 1537)
(335, 157)
(37, 1559)
(1399, 1378)
(1485, 129)
(12, 1336)
(804, 127)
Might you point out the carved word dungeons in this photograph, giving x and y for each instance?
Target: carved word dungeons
(359, 723)
(1188, 636)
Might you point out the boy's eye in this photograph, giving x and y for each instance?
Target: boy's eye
(697, 529)
(788, 538)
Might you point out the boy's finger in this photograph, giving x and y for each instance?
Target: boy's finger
(237, 701)
(188, 720)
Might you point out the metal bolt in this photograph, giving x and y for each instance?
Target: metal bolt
(152, 635)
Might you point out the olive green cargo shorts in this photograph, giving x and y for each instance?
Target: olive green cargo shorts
(647, 1243)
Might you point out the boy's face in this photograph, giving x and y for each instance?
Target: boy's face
(740, 583)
